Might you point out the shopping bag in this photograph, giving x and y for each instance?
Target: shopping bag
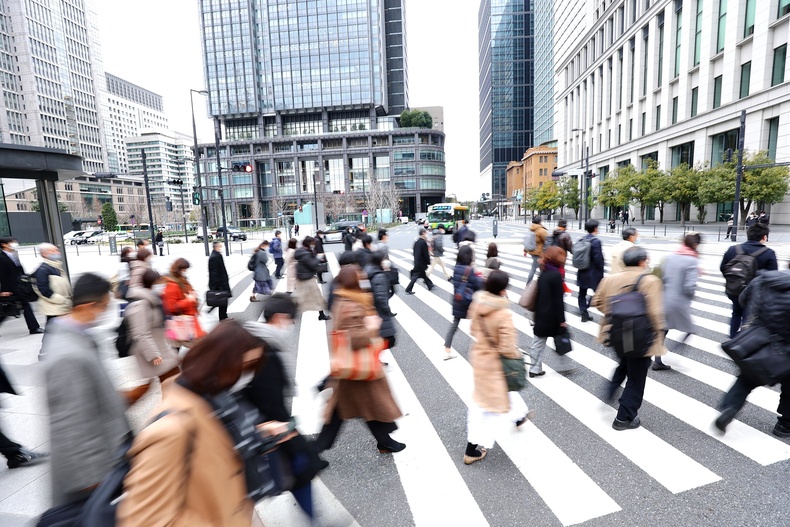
(354, 365)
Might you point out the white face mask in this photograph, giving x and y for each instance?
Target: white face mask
(158, 288)
(244, 380)
(14, 246)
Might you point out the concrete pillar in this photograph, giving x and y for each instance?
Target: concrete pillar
(50, 216)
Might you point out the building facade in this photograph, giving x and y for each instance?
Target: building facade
(544, 71)
(52, 77)
(667, 80)
(309, 92)
(128, 109)
(506, 52)
(532, 172)
(168, 158)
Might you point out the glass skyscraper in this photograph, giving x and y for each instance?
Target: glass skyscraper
(506, 86)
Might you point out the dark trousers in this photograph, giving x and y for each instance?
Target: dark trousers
(737, 395)
(738, 315)
(381, 431)
(8, 447)
(584, 305)
(448, 340)
(30, 318)
(635, 370)
(279, 269)
(416, 275)
(223, 311)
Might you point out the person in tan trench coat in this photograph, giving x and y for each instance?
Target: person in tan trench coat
(495, 336)
(353, 311)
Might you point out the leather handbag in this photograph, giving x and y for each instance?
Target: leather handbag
(562, 341)
(354, 365)
(180, 328)
(217, 298)
(529, 297)
(762, 356)
(514, 368)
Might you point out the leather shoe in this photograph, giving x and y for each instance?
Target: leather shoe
(628, 424)
(24, 458)
(37, 331)
(390, 446)
(586, 317)
(409, 292)
(660, 366)
(781, 430)
(538, 374)
(725, 418)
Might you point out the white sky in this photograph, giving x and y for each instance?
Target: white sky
(156, 45)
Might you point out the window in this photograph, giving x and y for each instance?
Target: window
(722, 26)
(660, 49)
(780, 55)
(658, 117)
(748, 24)
(644, 123)
(717, 92)
(746, 73)
(630, 129)
(694, 101)
(620, 79)
(675, 110)
(773, 137)
(678, 31)
(632, 43)
(784, 8)
(698, 33)
(645, 38)
(722, 143)
(683, 154)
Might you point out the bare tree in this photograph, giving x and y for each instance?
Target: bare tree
(392, 197)
(376, 199)
(256, 210)
(277, 206)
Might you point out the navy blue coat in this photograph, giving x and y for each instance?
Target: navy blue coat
(765, 262)
(592, 276)
(474, 282)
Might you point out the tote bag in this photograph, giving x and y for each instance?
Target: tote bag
(354, 365)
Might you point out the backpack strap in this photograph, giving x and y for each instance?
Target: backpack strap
(636, 285)
(758, 252)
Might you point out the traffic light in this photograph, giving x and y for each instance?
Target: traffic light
(168, 204)
(196, 198)
(245, 166)
(178, 182)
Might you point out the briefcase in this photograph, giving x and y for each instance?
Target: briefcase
(10, 308)
(217, 298)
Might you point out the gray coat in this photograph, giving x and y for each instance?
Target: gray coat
(261, 273)
(86, 414)
(680, 273)
(146, 321)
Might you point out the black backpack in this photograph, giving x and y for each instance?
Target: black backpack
(631, 334)
(741, 270)
(25, 288)
(123, 342)
(251, 263)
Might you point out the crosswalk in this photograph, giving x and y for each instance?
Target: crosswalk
(566, 467)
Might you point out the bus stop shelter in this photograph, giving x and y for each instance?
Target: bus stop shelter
(45, 166)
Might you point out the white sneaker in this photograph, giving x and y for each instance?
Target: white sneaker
(451, 355)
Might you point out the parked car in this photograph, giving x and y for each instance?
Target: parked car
(69, 236)
(199, 237)
(82, 239)
(119, 236)
(336, 231)
(93, 237)
(404, 220)
(234, 234)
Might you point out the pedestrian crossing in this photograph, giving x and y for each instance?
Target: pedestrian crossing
(567, 482)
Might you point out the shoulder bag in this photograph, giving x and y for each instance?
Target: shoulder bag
(354, 365)
(514, 369)
(529, 297)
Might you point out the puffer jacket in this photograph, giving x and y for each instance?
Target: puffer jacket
(767, 298)
(382, 291)
(53, 289)
(474, 282)
(306, 264)
(563, 240)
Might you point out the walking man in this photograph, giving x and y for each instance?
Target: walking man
(438, 252)
(626, 213)
(53, 289)
(218, 276)
(10, 271)
(533, 244)
(422, 258)
(160, 242)
(629, 240)
(561, 237)
(276, 248)
(590, 278)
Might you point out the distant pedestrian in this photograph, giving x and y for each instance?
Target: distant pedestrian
(10, 271)
(138, 266)
(290, 265)
(751, 219)
(533, 244)
(261, 276)
(349, 239)
(729, 225)
(493, 408)
(466, 282)
(320, 253)
(383, 243)
(492, 259)
(366, 251)
(438, 253)
(460, 232)
(276, 248)
(160, 242)
(422, 258)
(296, 230)
(630, 235)
(763, 218)
(561, 238)
(758, 257)
(626, 214)
(634, 369)
(307, 291)
(590, 278)
(52, 287)
(218, 277)
(123, 273)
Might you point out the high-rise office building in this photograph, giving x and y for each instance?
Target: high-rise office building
(544, 71)
(52, 76)
(667, 80)
(128, 109)
(506, 53)
(308, 92)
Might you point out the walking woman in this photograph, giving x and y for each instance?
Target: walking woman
(124, 272)
(290, 266)
(494, 408)
(465, 283)
(308, 292)
(549, 310)
(680, 271)
(382, 292)
(184, 468)
(353, 311)
(138, 266)
(179, 297)
(492, 259)
(261, 275)
(155, 355)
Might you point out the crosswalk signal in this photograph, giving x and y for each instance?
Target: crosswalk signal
(196, 198)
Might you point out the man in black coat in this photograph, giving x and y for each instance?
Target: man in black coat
(349, 239)
(590, 278)
(318, 252)
(218, 276)
(14, 453)
(10, 271)
(422, 259)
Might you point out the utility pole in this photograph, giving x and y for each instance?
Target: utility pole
(197, 173)
(221, 190)
(738, 177)
(315, 198)
(148, 196)
(586, 183)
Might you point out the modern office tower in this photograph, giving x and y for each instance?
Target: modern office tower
(308, 93)
(128, 108)
(506, 51)
(168, 158)
(52, 76)
(544, 71)
(667, 80)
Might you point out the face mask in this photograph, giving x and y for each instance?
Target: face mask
(158, 288)
(244, 380)
(132, 255)
(13, 246)
(55, 257)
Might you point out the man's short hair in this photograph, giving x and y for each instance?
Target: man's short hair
(591, 225)
(382, 233)
(349, 258)
(628, 232)
(90, 288)
(562, 223)
(140, 242)
(536, 219)
(279, 304)
(422, 231)
(367, 239)
(277, 233)
(633, 256)
(756, 232)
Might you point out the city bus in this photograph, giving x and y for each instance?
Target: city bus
(447, 215)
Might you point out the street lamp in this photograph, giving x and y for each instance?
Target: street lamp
(197, 169)
(586, 167)
(315, 194)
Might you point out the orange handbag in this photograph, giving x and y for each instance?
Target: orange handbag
(354, 365)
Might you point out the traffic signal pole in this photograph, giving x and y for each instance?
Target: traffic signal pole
(738, 177)
(148, 196)
(197, 174)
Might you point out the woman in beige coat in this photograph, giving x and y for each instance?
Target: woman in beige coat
(146, 321)
(494, 407)
(138, 266)
(290, 266)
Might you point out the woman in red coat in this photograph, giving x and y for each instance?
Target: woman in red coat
(179, 297)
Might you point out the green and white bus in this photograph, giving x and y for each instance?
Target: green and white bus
(447, 215)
